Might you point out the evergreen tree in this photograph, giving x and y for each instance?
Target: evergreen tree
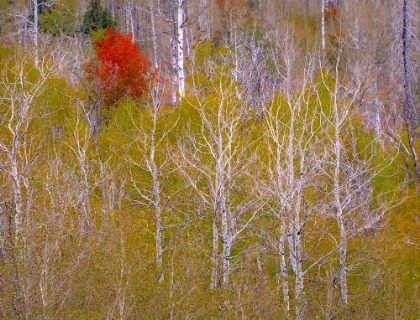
(97, 17)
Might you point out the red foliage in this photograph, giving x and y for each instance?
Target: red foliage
(122, 70)
(331, 12)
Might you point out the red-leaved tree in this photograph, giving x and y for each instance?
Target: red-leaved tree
(121, 70)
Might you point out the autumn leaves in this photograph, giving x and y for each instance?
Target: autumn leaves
(120, 69)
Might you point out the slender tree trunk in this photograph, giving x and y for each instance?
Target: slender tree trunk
(222, 210)
(156, 198)
(338, 203)
(323, 27)
(174, 66)
(227, 243)
(180, 49)
(340, 221)
(159, 229)
(409, 112)
(283, 269)
(297, 258)
(154, 42)
(343, 259)
(295, 184)
(35, 4)
(215, 252)
(131, 11)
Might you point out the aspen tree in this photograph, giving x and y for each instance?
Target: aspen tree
(214, 157)
(23, 83)
(293, 141)
(174, 15)
(405, 28)
(350, 169)
(150, 139)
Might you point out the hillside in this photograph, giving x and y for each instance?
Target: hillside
(209, 159)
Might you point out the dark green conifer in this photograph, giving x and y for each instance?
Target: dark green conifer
(97, 17)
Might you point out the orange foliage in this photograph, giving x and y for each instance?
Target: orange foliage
(121, 70)
(331, 12)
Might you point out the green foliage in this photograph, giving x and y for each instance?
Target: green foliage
(3, 6)
(66, 273)
(96, 18)
(57, 23)
(97, 35)
(208, 62)
(4, 51)
(305, 28)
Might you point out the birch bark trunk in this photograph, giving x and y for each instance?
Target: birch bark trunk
(154, 40)
(35, 31)
(216, 155)
(339, 118)
(152, 167)
(409, 112)
(226, 235)
(323, 28)
(149, 139)
(180, 49)
(339, 208)
(289, 183)
(283, 270)
(22, 85)
(215, 250)
(174, 60)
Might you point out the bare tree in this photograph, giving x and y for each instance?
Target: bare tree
(19, 148)
(57, 243)
(294, 144)
(150, 137)
(323, 7)
(173, 13)
(408, 114)
(178, 14)
(80, 147)
(24, 83)
(350, 169)
(214, 159)
(318, 174)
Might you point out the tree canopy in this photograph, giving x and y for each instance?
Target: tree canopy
(97, 17)
(121, 69)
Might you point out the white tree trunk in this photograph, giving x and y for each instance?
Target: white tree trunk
(35, 35)
(17, 192)
(219, 137)
(283, 269)
(154, 171)
(226, 237)
(180, 49)
(323, 27)
(21, 87)
(154, 42)
(215, 251)
(80, 149)
(173, 43)
(409, 112)
(340, 216)
(130, 12)
(339, 120)
(151, 192)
